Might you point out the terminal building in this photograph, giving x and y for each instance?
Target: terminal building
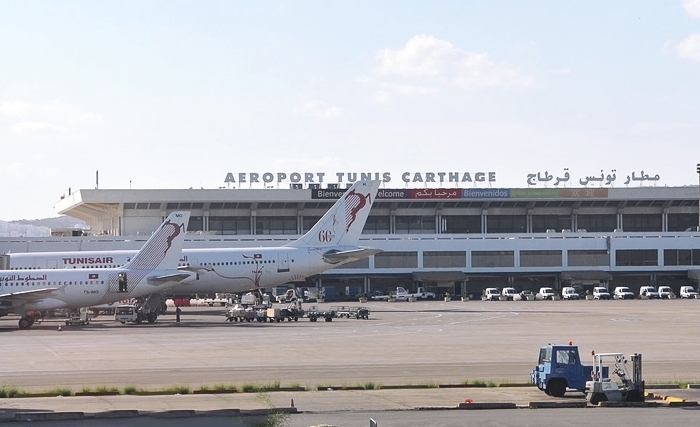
(450, 240)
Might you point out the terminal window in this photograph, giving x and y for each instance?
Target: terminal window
(461, 224)
(415, 224)
(377, 225)
(596, 223)
(396, 260)
(682, 257)
(540, 258)
(636, 257)
(497, 224)
(445, 259)
(493, 259)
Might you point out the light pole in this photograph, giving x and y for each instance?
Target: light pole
(698, 169)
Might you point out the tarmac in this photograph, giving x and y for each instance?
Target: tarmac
(420, 356)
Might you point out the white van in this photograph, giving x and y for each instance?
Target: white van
(688, 292)
(569, 293)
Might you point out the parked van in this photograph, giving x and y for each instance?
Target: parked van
(491, 294)
(688, 292)
(648, 292)
(508, 293)
(569, 293)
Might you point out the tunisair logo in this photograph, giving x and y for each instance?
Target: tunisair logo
(354, 202)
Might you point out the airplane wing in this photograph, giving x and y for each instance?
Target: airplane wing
(172, 277)
(28, 295)
(335, 257)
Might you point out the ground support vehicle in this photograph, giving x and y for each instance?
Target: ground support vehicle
(569, 293)
(559, 368)
(648, 292)
(599, 292)
(259, 308)
(350, 311)
(602, 388)
(145, 309)
(546, 293)
(524, 295)
(665, 292)
(491, 294)
(402, 294)
(508, 294)
(421, 293)
(688, 292)
(78, 317)
(313, 313)
(623, 292)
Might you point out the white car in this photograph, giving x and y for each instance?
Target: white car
(648, 292)
(599, 292)
(623, 292)
(688, 292)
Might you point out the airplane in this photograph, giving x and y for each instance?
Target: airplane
(331, 242)
(152, 269)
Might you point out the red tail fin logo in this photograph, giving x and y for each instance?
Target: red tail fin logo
(354, 203)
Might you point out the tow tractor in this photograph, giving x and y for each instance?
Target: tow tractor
(559, 368)
(603, 389)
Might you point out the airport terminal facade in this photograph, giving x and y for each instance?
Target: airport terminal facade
(456, 240)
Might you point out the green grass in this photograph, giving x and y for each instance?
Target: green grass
(225, 387)
(250, 388)
(177, 389)
(6, 392)
(130, 389)
(61, 391)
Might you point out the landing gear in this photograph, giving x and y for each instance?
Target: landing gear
(26, 322)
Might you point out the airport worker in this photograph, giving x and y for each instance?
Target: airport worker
(177, 314)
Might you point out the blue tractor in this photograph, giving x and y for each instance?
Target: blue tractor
(559, 368)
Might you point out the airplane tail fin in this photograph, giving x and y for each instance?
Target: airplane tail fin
(163, 249)
(344, 221)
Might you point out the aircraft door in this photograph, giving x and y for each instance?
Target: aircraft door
(4, 262)
(282, 262)
(122, 282)
(51, 263)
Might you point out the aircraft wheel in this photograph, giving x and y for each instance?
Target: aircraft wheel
(24, 323)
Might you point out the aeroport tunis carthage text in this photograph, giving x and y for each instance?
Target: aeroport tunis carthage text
(341, 177)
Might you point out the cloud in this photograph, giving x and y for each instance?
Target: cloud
(25, 128)
(14, 109)
(689, 48)
(53, 117)
(320, 110)
(430, 64)
(692, 7)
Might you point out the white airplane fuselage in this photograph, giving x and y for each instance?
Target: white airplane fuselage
(73, 288)
(219, 270)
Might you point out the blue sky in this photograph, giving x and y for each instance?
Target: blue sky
(177, 94)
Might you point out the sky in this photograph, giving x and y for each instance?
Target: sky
(180, 94)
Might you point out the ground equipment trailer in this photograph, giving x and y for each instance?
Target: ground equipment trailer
(559, 368)
(313, 313)
(350, 311)
(602, 388)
